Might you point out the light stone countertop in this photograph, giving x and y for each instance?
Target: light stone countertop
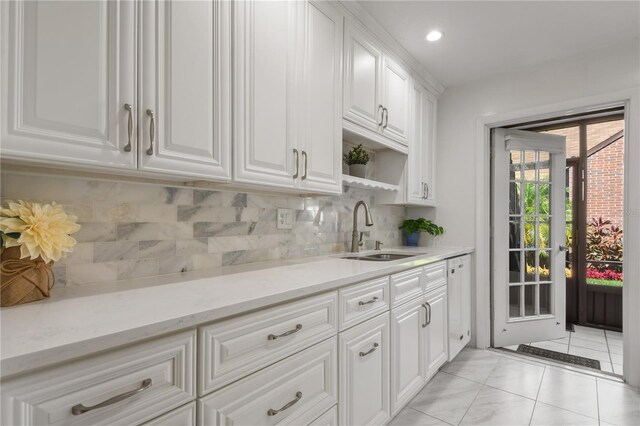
(78, 321)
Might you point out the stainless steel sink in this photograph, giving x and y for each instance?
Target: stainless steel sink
(381, 257)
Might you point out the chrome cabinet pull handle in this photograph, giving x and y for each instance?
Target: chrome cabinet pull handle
(380, 107)
(426, 185)
(373, 349)
(423, 191)
(426, 316)
(128, 107)
(368, 302)
(79, 409)
(304, 156)
(295, 152)
(386, 121)
(152, 131)
(286, 333)
(429, 311)
(289, 404)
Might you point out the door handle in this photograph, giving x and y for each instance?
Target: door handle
(368, 302)
(564, 248)
(295, 152)
(304, 156)
(385, 111)
(380, 107)
(152, 131)
(129, 108)
(272, 412)
(79, 409)
(286, 333)
(373, 349)
(426, 186)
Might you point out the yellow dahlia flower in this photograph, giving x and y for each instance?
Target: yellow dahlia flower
(39, 230)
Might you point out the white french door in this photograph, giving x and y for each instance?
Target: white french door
(528, 230)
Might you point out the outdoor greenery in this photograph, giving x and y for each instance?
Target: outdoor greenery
(411, 226)
(357, 155)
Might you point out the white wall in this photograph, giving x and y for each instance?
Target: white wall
(563, 81)
(460, 108)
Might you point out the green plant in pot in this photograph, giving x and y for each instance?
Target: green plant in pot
(357, 159)
(413, 227)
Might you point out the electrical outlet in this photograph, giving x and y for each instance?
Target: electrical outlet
(284, 219)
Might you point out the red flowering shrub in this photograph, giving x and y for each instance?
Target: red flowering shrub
(604, 275)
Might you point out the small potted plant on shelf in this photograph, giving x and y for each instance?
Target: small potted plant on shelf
(32, 237)
(357, 160)
(413, 227)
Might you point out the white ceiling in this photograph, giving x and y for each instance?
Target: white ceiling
(484, 38)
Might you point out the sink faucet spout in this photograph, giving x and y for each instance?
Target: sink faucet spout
(356, 237)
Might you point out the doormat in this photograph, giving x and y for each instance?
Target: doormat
(559, 356)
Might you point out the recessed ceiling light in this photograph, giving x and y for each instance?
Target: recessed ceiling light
(434, 35)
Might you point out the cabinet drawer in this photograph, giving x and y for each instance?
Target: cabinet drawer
(237, 347)
(406, 286)
(363, 301)
(183, 416)
(435, 275)
(330, 418)
(161, 371)
(294, 391)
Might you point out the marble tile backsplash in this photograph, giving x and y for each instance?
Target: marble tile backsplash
(134, 230)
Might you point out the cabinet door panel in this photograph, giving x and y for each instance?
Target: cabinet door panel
(323, 103)
(459, 289)
(395, 98)
(265, 80)
(185, 82)
(68, 68)
(364, 373)
(437, 337)
(415, 181)
(363, 62)
(407, 353)
(427, 154)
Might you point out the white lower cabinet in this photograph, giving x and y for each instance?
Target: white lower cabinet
(330, 418)
(183, 416)
(459, 288)
(408, 347)
(436, 338)
(127, 386)
(295, 391)
(364, 373)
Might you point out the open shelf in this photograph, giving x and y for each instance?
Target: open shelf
(368, 183)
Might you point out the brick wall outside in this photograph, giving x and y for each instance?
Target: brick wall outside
(605, 179)
(604, 168)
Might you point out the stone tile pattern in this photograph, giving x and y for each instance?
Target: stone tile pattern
(605, 346)
(132, 230)
(488, 388)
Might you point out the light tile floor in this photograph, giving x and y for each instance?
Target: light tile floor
(605, 346)
(487, 388)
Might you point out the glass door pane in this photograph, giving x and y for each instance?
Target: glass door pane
(529, 233)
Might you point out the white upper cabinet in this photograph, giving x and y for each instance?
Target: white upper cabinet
(68, 69)
(321, 141)
(396, 87)
(362, 79)
(287, 95)
(185, 75)
(264, 102)
(420, 165)
(377, 90)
